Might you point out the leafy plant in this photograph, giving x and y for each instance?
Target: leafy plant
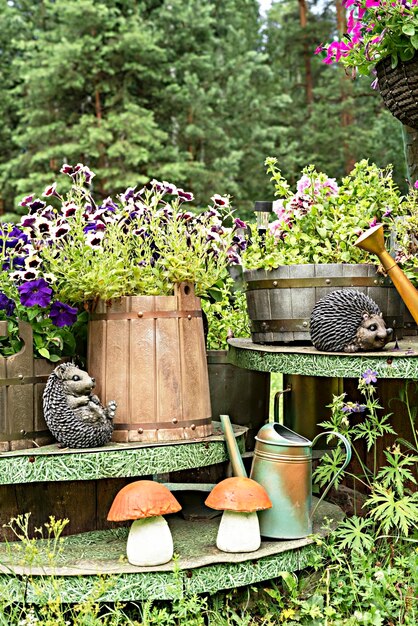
(320, 222)
(226, 315)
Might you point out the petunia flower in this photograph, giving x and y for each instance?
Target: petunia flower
(62, 314)
(51, 190)
(67, 169)
(26, 201)
(6, 304)
(36, 205)
(35, 292)
(220, 200)
(239, 223)
(187, 196)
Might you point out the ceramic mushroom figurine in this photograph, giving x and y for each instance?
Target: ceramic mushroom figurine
(239, 498)
(149, 540)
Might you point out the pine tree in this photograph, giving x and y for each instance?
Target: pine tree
(85, 77)
(218, 107)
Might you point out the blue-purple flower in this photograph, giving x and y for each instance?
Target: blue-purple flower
(369, 376)
(353, 407)
(6, 304)
(62, 314)
(35, 292)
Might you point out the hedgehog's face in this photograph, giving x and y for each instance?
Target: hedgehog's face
(372, 333)
(75, 382)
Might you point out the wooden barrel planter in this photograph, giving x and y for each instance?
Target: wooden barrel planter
(148, 353)
(22, 382)
(242, 394)
(280, 301)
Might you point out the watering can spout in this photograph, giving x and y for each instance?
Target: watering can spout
(372, 240)
(238, 468)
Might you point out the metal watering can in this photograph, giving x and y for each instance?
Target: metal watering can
(282, 464)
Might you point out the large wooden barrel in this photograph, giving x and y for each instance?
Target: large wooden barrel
(22, 382)
(148, 353)
(280, 301)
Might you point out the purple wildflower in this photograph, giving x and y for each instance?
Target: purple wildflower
(7, 304)
(387, 212)
(35, 292)
(62, 314)
(353, 407)
(369, 376)
(416, 184)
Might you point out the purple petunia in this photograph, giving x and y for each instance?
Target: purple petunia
(239, 223)
(62, 314)
(369, 376)
(187, 196)
(67, 169)
(36, 205)
(35, 292)
(51, 190)
(7, 304)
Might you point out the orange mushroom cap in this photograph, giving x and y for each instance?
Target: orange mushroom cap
(140, 499)
(238, 494)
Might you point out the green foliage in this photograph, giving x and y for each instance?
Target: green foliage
(321, 221)
(227, 316)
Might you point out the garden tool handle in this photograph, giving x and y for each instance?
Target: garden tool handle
(348, 453)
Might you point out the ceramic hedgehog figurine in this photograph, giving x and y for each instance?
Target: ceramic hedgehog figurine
(348, 321)
(72, 413)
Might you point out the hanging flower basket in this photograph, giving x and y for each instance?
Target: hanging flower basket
(399, 89)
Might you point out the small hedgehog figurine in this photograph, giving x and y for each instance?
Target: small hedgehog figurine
(72, 413)
(348, 321)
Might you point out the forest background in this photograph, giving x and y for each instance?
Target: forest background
(195, 92)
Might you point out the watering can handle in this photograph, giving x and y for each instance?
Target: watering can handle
(348, 453)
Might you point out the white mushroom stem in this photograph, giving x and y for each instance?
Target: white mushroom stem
(238, 532)
(149, 542)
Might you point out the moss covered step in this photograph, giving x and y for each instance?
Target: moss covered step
(401, 363)
(51, 463)
(74, 569)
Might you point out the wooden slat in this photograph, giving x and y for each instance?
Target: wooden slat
(169, 397)
(194, 380)
(20, 413)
